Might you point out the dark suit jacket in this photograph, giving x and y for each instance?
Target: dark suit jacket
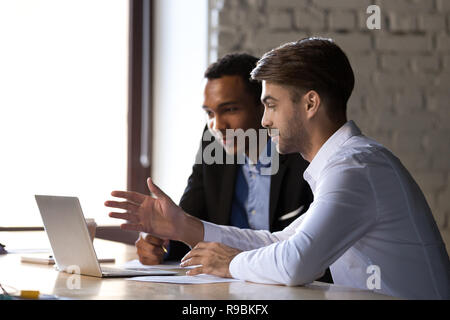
(210, 189)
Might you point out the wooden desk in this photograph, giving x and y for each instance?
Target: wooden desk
(26, 276)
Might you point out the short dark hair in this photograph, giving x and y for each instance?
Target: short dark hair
(237, 64)
(310, 64)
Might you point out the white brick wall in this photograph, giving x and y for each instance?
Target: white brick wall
(340, 4)
(309, 19)
(402, 91)
(342, 20)
(402, 22)
(400, 43)
(431, 22)
(280, 20)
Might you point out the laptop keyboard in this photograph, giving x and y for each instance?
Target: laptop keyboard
(112, 271)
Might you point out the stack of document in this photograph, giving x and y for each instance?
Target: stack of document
(198, 279)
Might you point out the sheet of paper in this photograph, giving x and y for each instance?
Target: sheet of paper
(136, 265)
(198, 279)
(26, 251)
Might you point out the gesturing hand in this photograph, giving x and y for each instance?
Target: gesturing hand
(214, 258)
(157, 216)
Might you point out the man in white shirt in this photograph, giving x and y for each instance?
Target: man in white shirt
(369, 221)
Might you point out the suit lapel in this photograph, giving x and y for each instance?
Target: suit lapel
(275, 186)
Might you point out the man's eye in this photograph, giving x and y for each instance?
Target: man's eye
(231, 109)
(209, 113)
(270, 106)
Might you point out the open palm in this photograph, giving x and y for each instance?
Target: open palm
(155, 215)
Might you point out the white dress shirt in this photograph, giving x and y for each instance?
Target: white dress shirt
(369, 223)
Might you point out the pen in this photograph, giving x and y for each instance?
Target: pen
(164, 248)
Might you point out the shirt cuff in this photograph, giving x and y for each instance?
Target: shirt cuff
(235, 266)
(211, 232)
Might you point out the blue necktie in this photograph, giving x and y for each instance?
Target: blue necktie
(238, 211)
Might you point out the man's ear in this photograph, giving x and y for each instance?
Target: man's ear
(312, 103)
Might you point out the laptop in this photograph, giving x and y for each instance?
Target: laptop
(69, 238)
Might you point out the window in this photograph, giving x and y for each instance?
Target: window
(180, 60)
(63, 104)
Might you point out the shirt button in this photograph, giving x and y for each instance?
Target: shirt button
(253, 211)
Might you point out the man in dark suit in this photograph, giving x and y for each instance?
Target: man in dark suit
(235, 194)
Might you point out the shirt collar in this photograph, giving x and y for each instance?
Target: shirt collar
(329, 148)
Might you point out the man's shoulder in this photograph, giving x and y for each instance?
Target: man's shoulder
(359, 152)
(359, 147)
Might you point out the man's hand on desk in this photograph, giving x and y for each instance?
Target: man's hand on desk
(150, 249)
(158, 216)
(214, 258)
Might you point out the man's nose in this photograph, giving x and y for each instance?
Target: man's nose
(219, 123)
(265, 121)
